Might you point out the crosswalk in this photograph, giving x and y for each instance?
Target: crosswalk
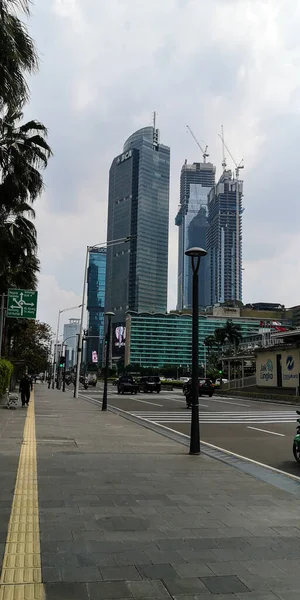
(244, 417)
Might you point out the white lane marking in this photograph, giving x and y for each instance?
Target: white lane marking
(251, 460)
(227, 402)
(146, 402)
(184, 402)
(266, 431)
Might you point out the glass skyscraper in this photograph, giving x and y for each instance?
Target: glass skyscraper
(95, 306)
(196, 181)
(138, 206)
(224, 262)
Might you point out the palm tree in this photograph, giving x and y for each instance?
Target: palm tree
(18, 56)
(23, 152)
(220, 337)
(233, 334)
(209, 342)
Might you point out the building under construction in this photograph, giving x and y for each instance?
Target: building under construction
(196, 181)
(224, 240)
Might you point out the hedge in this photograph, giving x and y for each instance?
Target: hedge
(6, 369)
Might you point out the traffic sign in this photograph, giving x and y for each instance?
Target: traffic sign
(21, 304)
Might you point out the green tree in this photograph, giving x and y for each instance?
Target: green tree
(233, 335)
(210, 342)
(30, 342)
(220, 337)
(23, 152)
(18, 57)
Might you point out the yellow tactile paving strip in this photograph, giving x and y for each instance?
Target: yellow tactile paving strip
(21, 576)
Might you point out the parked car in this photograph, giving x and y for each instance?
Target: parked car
(205, 387)
(127, 385)
(218, 381)
(150, 383)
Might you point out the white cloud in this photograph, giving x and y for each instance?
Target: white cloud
(234, 62)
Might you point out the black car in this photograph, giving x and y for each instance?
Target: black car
(205, 386)
(127, 385)
(150, 383)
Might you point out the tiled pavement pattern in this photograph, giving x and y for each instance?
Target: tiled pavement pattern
(126, 514)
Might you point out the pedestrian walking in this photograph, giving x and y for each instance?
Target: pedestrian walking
(25, 388)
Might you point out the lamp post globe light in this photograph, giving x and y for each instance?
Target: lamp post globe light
(195, 254)
(107, 338)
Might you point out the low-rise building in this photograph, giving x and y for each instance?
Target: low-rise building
(279, 366)
(158, 339)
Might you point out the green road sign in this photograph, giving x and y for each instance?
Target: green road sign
(21, 304)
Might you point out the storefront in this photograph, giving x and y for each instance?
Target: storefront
(278, 367)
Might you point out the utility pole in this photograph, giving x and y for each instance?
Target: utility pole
(2, 321)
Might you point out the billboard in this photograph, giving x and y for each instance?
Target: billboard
(118, 339)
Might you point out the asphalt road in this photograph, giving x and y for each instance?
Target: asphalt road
(257, 430)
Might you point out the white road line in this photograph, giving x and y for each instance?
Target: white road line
(227, 402)
(266, 431)
(251, 460)
(146, 402)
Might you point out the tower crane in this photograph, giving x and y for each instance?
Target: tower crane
(238, 167)
(204, 152)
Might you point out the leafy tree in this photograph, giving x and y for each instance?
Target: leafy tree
(23, 151)
(18, 56)
(233, 334)
(210, 342)
(30, 342)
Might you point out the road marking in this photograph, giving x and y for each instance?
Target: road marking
(146, 402)
(266, 431)
(251, 460)
(220, 418)
(227, 402)
(21, 575)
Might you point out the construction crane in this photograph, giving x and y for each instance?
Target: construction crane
(204, 152)
(238, 167)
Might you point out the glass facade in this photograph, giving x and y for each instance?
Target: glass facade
(154, 340)
(196, 181)
(71, 330)
(221, 240)
(95, 305)
(138, 206)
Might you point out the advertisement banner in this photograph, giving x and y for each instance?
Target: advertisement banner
(118, 339)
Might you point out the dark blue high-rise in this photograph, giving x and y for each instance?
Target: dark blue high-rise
(95, 306)
(138, 206)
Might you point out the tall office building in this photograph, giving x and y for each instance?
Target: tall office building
(71, 330)
(196, 181)
(95, 306)
(224, 244)
(138, 206)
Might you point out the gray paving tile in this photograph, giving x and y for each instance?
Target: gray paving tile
(148, 590)
(66, 591)
(224, 584)
(261, 596)
(81, 574)
(192, 570)
(116, 590)
(157, 571)
(124, 573)
(190, 586)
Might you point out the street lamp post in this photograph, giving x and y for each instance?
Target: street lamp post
(195, 254)
(80, 337)
(56, 342)
(108, 336)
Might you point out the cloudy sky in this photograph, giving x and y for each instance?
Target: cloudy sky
(105, 66)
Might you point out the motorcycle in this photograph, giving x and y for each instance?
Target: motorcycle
(296, 444)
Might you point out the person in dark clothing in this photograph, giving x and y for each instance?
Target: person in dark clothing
(25, 388)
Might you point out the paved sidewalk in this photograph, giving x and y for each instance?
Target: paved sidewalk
(126, 513)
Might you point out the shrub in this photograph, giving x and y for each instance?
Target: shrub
(6, 369)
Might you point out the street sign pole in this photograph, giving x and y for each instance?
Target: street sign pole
(21, 304)
(2, 321)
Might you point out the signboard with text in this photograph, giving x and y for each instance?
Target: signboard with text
(21, 304)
